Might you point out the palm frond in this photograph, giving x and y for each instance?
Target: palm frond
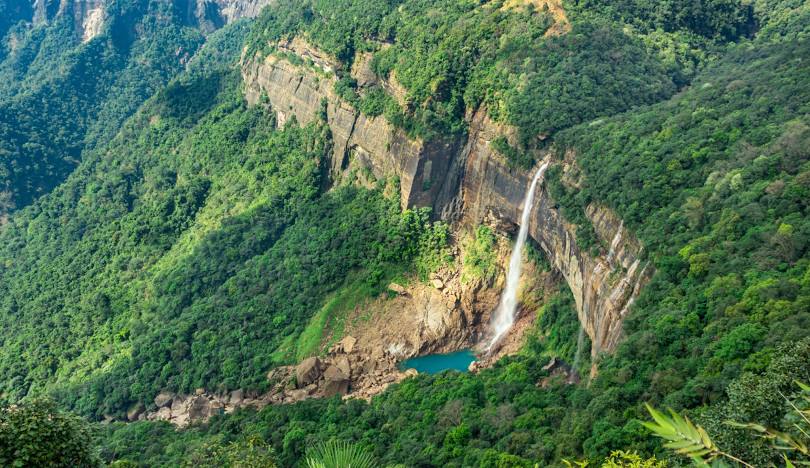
(340, 454)
(682, 435)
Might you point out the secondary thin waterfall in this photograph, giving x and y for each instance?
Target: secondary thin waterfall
(504, 316)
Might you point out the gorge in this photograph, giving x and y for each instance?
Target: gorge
(495, 233)
(463, 180)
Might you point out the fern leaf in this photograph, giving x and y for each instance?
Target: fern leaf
(682, 435)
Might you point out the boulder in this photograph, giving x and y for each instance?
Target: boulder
(437, 283)
(164, 399)
(298, 395)
(199, 408)
(369, 366)
(134, 411)
(164, 414)
(348, 343)
(335, 382)
(178, 404)
(215, 407)
(308, 371)
(180, 420)
(237, 397)
(397, 288)
(342, 362)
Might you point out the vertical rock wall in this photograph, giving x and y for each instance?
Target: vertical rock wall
(464, 182)
(604, 286)
(306, 91)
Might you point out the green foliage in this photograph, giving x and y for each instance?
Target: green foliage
(595, 70)
(198, 249)
(714, 19)
(455, 55)
(693, 441)
(515, 157)
(480, 257)
(59, 98)
(377, 102)
(249, 453)
(623, 459)
(330, 319)
(763, 397)
(337, 454)
(37, 433)
(558, 331)
(705, 180)
(572, 203)
(683, 437)
(221, 48)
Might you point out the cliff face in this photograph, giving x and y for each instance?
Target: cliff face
(604, 286)
(89, 15)
(465, 182)
(305, 91)
(210, 15)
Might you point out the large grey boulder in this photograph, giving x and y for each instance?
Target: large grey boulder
(309, 371)
(335, 382)
(164, 399)
(135, 411)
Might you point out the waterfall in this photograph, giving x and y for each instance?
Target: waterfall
(504, 316)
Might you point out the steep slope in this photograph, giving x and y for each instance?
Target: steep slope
(72, 72)
(205, 218)
(712, 181)
(723, 322)
(243, 219)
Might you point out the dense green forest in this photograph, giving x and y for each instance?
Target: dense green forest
(172, 237)
(715, 182)
(60, 96)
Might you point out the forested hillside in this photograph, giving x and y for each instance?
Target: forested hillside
(60, 94)
(175, 238)
(196, 218)
(714, 180)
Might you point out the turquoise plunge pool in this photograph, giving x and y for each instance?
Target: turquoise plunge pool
(435, 363)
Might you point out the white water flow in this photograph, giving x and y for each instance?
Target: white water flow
(504, 316)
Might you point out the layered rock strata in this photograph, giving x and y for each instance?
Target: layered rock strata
(463, 181)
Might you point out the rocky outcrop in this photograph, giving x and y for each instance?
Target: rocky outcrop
(309, 371)
(210, 15)
(89, 15)
(182, 410)
(464, 182)
(232, 10)
(305, 91)
(604, 286)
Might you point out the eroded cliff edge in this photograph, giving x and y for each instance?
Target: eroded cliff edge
(89, 15)
(463, 179)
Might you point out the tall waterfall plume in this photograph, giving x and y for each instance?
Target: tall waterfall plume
(504, 316)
